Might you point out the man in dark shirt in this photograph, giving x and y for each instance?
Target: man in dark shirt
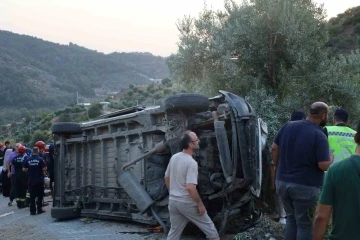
(20, 187)
(295, 116)
(300, 152)
(35, 166)
(341, 197)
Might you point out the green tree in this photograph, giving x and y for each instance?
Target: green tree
(26, 138)
(166, 82)
(65, 117)
(167, 91)
(266, 48)
(94, 110)
(39, 135)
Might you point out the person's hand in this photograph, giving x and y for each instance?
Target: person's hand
(331, 156)
(272, 177)
(272, 186)
(202, 209)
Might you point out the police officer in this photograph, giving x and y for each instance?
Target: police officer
(35, 166)
(341, 137)
(20, 177)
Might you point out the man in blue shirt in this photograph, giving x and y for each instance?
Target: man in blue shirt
(35, 166)
(301, 154)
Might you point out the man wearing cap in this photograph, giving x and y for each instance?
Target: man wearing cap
(341, 137)
(297, 116)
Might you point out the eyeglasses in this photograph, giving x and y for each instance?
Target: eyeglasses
(197, 140)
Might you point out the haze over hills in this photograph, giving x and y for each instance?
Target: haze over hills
(36, 73)
(344, 31)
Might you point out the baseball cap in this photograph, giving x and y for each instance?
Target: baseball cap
(297, 115)
(342, 113)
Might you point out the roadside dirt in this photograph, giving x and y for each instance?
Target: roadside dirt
(266, 229)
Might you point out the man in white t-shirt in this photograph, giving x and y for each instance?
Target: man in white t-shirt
(184, 202)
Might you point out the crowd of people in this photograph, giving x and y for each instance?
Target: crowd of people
(23, 174)
(318, 166)
(303, 152)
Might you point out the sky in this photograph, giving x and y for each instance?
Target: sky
(114, 25)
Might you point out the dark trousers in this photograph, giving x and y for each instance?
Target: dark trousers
(12, 189)
(20, 188)
(36, 191)
(298, 200)
(6, 184)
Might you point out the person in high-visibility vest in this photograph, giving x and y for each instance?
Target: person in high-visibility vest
(341, 137)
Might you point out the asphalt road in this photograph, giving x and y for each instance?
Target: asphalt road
(19, 224)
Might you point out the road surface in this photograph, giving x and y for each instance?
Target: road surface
(19, 224)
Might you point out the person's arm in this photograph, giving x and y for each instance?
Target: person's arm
(272, 176)
(191, 188)
(324, 165)
(25, 166)
(275, 148)
(167, 176)
(167, 182)
(323, 155)
(43, 166)
(325, 207)
(191, 182)
(194, 194)
(322, 217)
(8, 166)
(275, 154)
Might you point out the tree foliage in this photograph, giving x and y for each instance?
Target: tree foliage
(94, 110)
(344, 31)
(269, 51)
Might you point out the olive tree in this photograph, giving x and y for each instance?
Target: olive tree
(269, 51)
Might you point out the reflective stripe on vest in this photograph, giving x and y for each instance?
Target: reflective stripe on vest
(341, 141)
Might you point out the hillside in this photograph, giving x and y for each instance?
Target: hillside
(37, 73)
(344, 31)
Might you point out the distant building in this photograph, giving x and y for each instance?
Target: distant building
(87, 105)
(105, 105)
